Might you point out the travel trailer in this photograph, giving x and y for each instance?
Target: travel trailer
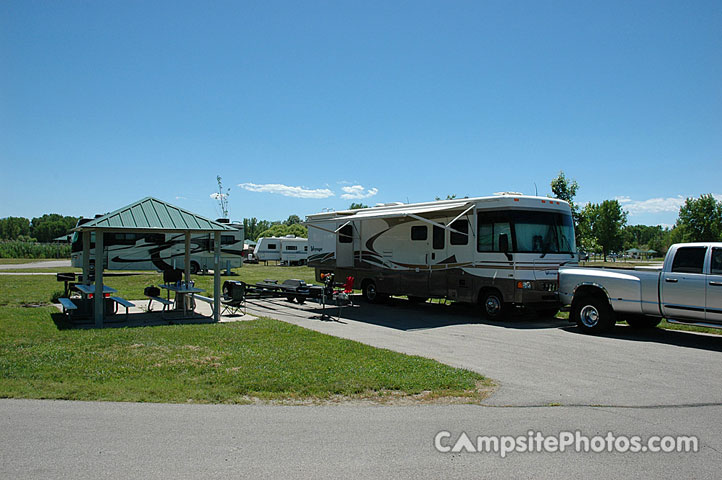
(161, 251)
(498, 251)
(289, 250)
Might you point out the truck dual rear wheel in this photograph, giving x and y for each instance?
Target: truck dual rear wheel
(593, 314)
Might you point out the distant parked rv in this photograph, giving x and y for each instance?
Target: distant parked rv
(161, 251)
(289, 250)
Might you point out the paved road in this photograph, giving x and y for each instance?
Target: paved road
(47, 439)
(536, 362)
(42, 264)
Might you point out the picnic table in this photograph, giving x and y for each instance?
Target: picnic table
(184, 294)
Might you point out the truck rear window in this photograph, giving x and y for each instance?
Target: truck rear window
(689, 260)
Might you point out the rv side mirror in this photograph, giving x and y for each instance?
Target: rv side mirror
(504, 243)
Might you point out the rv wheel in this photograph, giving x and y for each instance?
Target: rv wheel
(195, 268)
(492, 304)
(370, 293)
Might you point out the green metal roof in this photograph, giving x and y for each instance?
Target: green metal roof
(153, 214)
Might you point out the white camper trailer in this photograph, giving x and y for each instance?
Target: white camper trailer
(289, 250)
(161, 251)
(496, 251)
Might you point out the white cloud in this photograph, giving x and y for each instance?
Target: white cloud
(216, 195)
(181, 198)
(652, 205)
(357, 192)
(287, 191)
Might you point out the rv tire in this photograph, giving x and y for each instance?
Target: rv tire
(492, 305)
(195, 268)
(370, 294)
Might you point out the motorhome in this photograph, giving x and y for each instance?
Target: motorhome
(498, 251)
(161, 251)
(289, 250)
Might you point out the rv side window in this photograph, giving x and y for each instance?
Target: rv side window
(291, 247)
(689, 260)
(155, 238)
(457, 238)
(345, 235)
(122, 239)
(419, 232)
(438, 240)
(305, 248)
(227, 239)
(491, 227)
(271, 246)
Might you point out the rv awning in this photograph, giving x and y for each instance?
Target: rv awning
(401, 211)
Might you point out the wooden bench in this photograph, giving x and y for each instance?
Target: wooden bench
(67, 305)
(123, 302)
(166, 303)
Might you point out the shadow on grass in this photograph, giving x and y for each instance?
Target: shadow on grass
(677, 338)
(132, 320)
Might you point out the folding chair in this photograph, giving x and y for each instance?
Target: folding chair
(234, 297)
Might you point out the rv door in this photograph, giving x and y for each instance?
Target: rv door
(344, 245)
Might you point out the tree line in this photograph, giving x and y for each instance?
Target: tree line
(602, 227)
(40, 229)
(253, 229)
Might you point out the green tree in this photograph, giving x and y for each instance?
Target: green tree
(13, 227)
(356, 206)
(292, 220)
(604, 223)
(566, 189)
(50, 226)
(281, 230)
(700, 220)
(252, 227)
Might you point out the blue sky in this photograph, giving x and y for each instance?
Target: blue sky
(302, 106)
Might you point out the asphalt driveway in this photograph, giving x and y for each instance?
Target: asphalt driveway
(535, 362)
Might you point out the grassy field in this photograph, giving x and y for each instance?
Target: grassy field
(242, 362)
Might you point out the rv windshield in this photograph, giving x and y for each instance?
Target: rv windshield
(543, 232)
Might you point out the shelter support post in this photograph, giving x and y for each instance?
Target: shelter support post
(216, 276)
(86, 257)
(98, 297)
(187, 258)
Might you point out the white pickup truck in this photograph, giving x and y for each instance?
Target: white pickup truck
(687, 288)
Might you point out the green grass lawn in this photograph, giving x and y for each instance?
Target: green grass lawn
(241, 362)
